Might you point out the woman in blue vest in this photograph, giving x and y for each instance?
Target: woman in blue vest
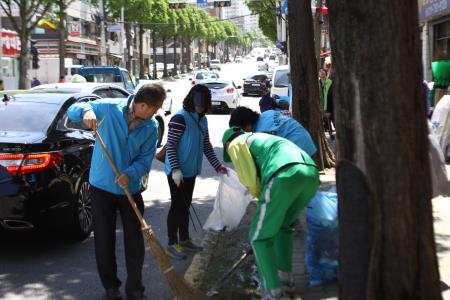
(187, 141)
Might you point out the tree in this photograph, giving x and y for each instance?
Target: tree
(62, 18)
(304, 76)
(168, 31)
(30, 13)
(383, 152)
(267, 17)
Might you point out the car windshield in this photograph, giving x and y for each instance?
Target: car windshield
(259, 77)
(205, 75)
(281, 78)
(215, 61)
(19, 115)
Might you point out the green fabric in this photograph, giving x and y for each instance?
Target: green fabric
(441, 72)
(279, 205)
(271, 153)
(326, 88)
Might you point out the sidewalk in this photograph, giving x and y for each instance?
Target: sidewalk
(216, 258)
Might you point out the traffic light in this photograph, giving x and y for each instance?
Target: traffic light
(177, 5)
(225, 3)
(34, 55)
(283, 47)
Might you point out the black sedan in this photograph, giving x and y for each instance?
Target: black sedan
(257, 84)
(44, 163)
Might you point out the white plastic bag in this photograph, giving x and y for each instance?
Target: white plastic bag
(231, 202)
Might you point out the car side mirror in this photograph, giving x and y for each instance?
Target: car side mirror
(239, 87)
(190, 79)
(169, 91)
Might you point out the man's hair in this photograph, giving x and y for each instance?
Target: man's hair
(242, 117)
(188, 102)
(150, 94)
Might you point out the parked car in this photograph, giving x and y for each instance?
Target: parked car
(280, 81)
(214, 64)
(108, 74)
(238, 59)
(203, 76)
(225, 94)
(102, 91)
(167, 105)
(44, 163)
(256, 84)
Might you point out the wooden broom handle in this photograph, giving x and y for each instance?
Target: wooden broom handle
(127, 192)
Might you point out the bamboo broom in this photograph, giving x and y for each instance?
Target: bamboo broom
(180, 289)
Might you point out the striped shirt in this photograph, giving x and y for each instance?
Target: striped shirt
(177, 126)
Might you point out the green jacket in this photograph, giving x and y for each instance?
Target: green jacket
(258, 156)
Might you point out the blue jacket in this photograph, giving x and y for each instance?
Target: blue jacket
(275, 122)
(132, 152)
(190, 145)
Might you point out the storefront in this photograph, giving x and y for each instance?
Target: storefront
(10, 62)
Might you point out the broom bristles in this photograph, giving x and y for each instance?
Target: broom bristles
(179, 287)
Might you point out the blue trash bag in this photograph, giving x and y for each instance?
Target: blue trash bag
(322, 238)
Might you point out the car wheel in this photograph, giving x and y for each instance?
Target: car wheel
(82, 225)
(160, 130)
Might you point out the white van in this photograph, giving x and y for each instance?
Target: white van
(280, 81)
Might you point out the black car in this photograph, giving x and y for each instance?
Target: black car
(44, 163)
(256, 84)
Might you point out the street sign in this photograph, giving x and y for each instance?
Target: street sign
(202, 3)
(225, 3)
(114, 28)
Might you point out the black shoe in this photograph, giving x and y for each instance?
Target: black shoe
(113, 294)
(136, 296)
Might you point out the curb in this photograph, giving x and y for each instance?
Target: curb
(195, 273)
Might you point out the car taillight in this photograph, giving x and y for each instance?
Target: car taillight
(230, 90)
(22, 164)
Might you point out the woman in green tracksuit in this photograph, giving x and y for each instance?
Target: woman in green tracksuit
(283, 178)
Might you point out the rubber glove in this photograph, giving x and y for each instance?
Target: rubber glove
(222, 170)
(177, 177)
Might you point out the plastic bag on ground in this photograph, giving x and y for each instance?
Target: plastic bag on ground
(231, 202)
(322, 238)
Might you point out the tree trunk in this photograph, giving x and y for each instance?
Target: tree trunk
(129, 40)
(24, 81)
(164, 41)
(175, 62)
(155, 72)
(182, 65)
(141, 52)
(62, 37)
(382, 130)
(304, 76)
(189, 54)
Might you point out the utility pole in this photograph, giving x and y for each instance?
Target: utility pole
(103, 60)
(123, 38)
(318, 32)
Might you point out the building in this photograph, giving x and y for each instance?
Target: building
(434, 17)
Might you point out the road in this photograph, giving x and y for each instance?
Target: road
(36, 266)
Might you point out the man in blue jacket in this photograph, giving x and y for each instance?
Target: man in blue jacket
(130, 132)
(276, 122)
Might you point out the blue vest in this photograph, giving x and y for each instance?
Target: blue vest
(275, 122)
(190, 145)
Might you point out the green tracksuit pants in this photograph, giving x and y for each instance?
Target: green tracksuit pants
(279, 205)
